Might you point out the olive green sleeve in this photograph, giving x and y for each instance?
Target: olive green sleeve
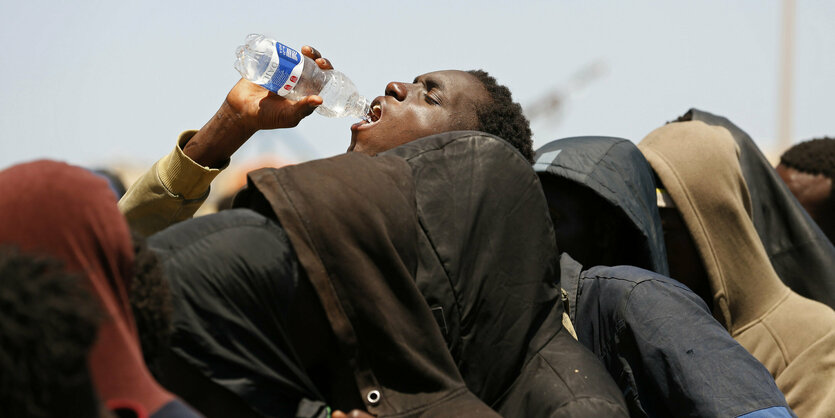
(170, 192)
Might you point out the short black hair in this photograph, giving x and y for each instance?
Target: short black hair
(816, 156)
(48, 323)
(150, 301)
(503, 117)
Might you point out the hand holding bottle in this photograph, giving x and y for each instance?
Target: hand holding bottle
(247, 109)
(282, 70)
(263, 109)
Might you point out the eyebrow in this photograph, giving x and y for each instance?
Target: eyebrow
(429, 82)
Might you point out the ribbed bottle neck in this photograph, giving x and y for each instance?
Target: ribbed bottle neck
(360, 108)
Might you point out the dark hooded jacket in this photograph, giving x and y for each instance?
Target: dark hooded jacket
(659, 341)
(236, 280)
(614, 170)
(799, 251)
(233, 277)
(481, 251)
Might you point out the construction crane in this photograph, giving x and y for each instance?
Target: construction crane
(549, 106)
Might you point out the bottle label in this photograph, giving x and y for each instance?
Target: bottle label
(290, 65)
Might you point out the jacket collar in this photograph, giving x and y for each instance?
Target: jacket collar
(570, 271)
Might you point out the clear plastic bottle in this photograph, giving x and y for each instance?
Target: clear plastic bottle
(288, 73)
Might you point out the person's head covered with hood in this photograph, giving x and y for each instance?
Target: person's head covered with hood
(699, 166)
(70, 213)
(601, 197)
(603, 201)
(799, 251)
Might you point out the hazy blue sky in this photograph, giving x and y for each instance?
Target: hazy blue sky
(97, 81)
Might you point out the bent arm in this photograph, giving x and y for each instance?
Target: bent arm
(171, 191)
(178, 184)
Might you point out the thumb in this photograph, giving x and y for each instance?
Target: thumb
(308, 104)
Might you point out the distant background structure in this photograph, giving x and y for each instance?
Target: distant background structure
(550, 106)
(785, 128)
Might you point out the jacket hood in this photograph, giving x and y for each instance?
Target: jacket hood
(615, 170)
(488, 262)
(353, 221)
(799, 251)
(233, 276)
(699, 167)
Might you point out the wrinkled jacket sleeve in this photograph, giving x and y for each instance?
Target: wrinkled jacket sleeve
(170, 192)
(686, 359)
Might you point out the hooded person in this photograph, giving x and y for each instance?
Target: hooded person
(231, 277)
(655, 337)
(611, 173)
(797, 248)
(484, 290)
(699, 166)
(453, 277)
(234, 276)
(69, 213)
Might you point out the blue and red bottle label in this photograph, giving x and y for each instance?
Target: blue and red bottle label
(290, 65)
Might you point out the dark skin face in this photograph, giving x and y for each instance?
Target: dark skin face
(437, 102)
(685, 262)
(814, 192)
(433, 103)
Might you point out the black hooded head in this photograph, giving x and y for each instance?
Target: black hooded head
(608, 183)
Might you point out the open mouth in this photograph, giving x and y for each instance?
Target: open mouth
(375, 112)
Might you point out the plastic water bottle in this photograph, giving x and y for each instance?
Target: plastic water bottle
(290, 74)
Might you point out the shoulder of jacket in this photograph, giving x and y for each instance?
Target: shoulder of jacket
(590, 406)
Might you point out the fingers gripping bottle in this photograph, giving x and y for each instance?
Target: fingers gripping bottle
(288, 73)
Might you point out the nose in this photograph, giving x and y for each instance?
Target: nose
(397, 90)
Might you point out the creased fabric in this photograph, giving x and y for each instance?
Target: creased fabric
(170, 191)
(799, 251)
(615, 170)
(352, 222)
(667, 353)
(445, 215)
(792, 336)
(233, 276)
(655, 337)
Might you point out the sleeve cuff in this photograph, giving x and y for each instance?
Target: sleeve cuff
(183, 177)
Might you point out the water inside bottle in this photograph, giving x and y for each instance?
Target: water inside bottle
(257, 59)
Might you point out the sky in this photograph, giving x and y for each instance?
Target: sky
(97, 82)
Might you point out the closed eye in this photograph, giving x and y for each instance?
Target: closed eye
(432, 91)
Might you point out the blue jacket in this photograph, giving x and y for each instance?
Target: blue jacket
(663, 347)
